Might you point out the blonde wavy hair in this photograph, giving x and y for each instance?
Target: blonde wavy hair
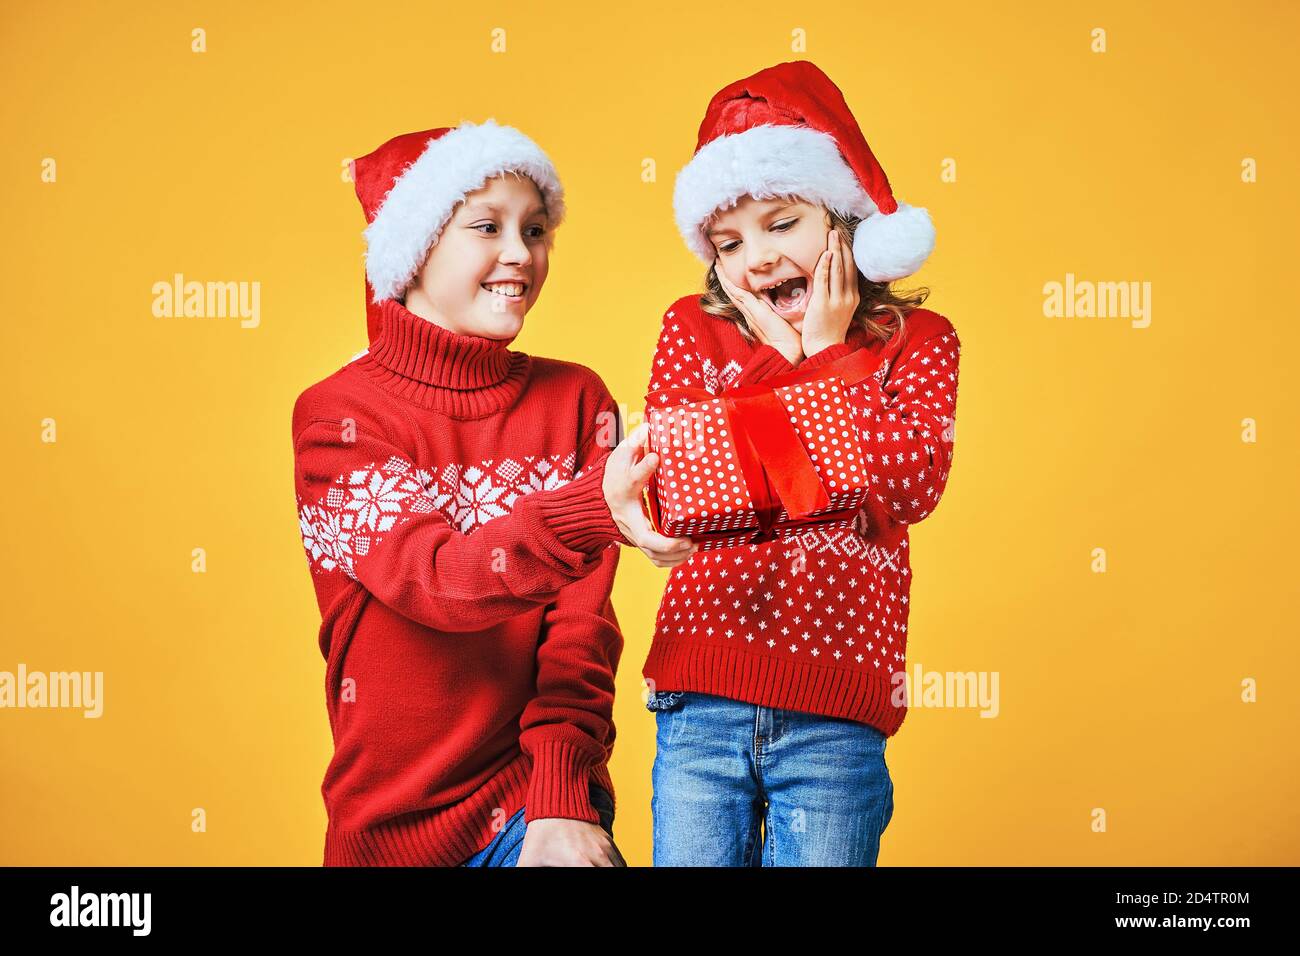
(881, 310)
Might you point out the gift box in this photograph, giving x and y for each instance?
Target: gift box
(760, 462)
(791, 532)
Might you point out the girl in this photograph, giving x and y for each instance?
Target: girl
(775, 670)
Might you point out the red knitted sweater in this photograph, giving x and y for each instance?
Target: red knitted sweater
(818, 624)
(450, 503)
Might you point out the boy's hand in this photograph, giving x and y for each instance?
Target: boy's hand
(768, 326)
(627, 472)
(555, 841)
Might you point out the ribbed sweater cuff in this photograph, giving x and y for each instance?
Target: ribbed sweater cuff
(763, 364)
(560, 782)
(827, 355)
(577, 511)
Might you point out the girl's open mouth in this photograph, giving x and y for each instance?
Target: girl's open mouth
(789, 298)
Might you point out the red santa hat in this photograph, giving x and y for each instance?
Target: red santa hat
(410, 186)
(787, 131)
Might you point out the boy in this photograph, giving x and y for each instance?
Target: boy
(458, 512)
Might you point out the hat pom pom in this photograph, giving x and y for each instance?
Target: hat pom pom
(892, 246)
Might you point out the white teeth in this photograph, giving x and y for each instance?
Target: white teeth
(774, 287)
(511, 289)
(796, 294)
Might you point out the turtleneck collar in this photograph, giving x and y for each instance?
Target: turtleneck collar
(465, 376)
(423, 350)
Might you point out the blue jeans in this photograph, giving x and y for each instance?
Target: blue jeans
(819, 786)
(505, 846)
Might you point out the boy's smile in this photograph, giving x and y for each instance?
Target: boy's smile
(512, 290)
(507, 292)
(489, 263)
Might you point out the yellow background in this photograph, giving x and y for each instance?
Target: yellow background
(1119, 691)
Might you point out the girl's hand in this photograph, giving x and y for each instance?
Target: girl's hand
(834, 297)
(556, 841)
(627, 472)
(768, 327)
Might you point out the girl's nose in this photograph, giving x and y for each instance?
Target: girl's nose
(762, 258)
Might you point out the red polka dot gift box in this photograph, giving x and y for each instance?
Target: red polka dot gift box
(759, 462)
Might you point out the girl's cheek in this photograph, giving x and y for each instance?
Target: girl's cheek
(805, 254)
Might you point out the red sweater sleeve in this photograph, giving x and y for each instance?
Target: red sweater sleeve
(365, 508)
(678, 363)
(763, 364)
(906, 424)
(568, 726)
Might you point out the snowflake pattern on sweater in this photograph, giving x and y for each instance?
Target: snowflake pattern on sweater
(363, 505)
(837, 597)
